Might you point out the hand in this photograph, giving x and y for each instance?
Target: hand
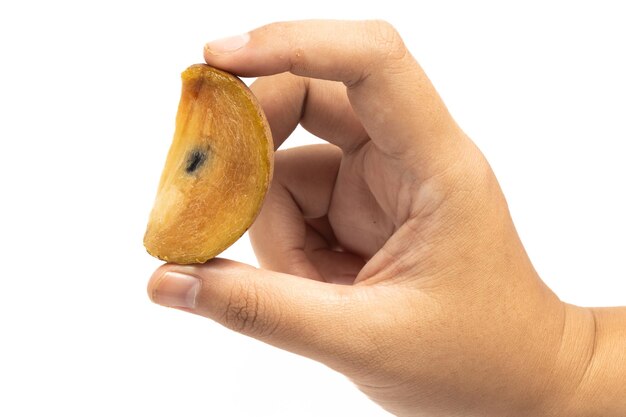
(443, 314)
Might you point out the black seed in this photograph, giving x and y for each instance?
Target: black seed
(195, 160)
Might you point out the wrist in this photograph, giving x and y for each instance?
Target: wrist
(590, 368)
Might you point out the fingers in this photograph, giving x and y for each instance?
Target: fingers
(389, 92)
(282, 237)
(321, 107)
(279, 234)
(286, 311)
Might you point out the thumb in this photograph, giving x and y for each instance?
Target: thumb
(307, 317)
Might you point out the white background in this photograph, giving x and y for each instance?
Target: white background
(88, 95)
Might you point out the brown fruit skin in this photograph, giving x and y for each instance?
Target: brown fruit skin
(217, 172)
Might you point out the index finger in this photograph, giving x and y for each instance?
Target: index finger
(392, 97)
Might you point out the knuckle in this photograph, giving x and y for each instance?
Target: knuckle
(246, 312)
(383, 47)
(387, 42)
(297, 60)
(242, 308)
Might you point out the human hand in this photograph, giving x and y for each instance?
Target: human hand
(444, 314)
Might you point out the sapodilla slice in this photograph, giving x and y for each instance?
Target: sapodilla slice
(217, 171)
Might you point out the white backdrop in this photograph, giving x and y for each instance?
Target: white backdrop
(88, 95)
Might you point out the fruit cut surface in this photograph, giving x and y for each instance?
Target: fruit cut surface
(217, 172)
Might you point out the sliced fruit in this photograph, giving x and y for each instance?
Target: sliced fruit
(217, 172)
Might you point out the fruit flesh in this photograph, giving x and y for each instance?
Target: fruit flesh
(217, 172)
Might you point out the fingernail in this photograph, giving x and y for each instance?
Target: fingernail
(228, 45)
(175, 289)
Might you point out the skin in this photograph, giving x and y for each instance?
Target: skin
(390, 254)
